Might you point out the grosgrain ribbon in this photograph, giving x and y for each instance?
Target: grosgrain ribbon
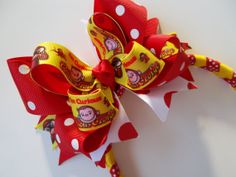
(131, 55)
(90, 91)
(88, 88)
(136, 67)
(62, 73)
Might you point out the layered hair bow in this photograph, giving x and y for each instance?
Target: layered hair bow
(79, 105)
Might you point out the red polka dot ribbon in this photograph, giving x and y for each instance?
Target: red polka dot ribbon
(79, 105)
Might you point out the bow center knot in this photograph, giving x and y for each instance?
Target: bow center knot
(105, 73)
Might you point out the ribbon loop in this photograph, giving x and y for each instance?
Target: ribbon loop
(93, 110)
(55, 65)
(89, 90)
(135, 69)
(169, 49)
(108, 41)
(139, 68)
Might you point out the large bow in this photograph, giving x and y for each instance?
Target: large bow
(79, 105)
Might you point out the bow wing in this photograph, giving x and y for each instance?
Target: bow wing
(130, 16)
(36, 100)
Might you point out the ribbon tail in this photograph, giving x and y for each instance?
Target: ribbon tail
(219, 69)
(47, 123)
(112, 165)
(159, 99)
(64, 157)
(121, 130)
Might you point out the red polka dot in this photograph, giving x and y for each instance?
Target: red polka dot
(232, 81)
(168, 97)
(115, 171)
(127, 131)
(212, 65)
(192, 59)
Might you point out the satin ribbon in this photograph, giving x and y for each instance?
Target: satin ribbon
(90, 92)
(138, 71)
(132, 56)
(88, 88)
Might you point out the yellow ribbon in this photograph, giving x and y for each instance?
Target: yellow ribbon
(91, 101)
(135, 70)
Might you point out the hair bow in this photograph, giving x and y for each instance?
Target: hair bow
(79, 104)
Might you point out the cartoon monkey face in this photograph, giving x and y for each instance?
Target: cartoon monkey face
(110, 44)
(40, 53)
(116, 63)
(48, 125)
(134, 76)
(76, 74)
(87, 114)
(144, 57)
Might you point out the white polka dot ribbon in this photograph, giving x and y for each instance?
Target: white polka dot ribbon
(78, 104)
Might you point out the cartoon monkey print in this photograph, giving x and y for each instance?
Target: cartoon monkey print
(40, 53)
(110, 44)
(60, 53)
(117, 64)
(76, 74)
(87, 114)
(144, 57)
(48, 126)
(134, 76)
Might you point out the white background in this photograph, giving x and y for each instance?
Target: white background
(198, 140)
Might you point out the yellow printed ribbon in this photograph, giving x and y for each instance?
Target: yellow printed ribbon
(58, 70)
(95, 109)
(76, 72)
(221, 70)
(92, 103)
(134, 70)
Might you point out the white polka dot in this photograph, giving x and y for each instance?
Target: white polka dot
(120, 10)
(134, 33)
(69, 122)
(31, 105)
(58, 138)
(182, 67)
(75, 144)
(153, 51)
(24, 69)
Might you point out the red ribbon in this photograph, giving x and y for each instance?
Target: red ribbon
(104, 72)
